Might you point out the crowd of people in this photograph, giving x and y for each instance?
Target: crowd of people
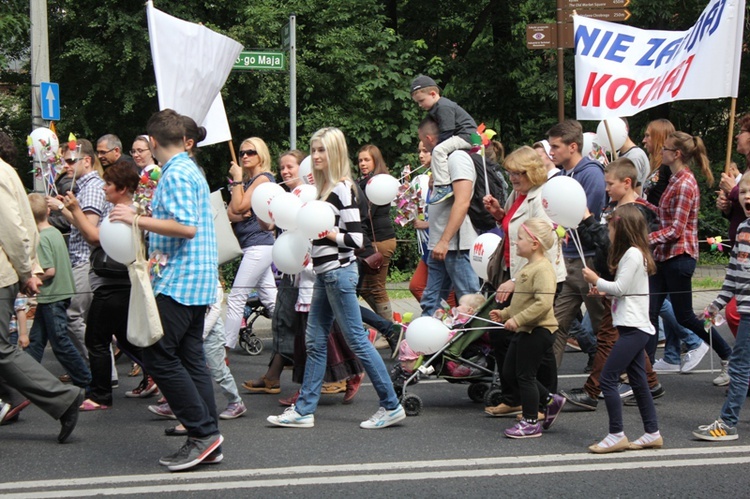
(630, 265)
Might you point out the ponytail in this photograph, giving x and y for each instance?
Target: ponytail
(693, 151)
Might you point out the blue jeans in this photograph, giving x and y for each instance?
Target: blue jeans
(739, 373)
(51, 324)
(213, 349)
(383, 326)
(455, 273)
(674, 334)
(335, 298)
(674, 278)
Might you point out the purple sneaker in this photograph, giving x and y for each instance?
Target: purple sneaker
(162, 410)
(552, 410)
(522, 429)
(233, 410)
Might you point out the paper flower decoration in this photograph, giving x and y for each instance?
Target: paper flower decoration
(716, 243)
(72, 142)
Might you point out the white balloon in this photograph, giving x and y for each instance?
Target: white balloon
(588, 143)
(45, 144)
(315, 219)
(382, 189)
(481, 251)
(305, 192)
(116, 239)
(291, 252)
(305, 171)
(427, 335)
(262, 196)
(617, 129)
(564, 201)
(283, 210)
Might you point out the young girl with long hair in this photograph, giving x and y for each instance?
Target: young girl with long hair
(335, 291)
(532, 320)
(631, 261)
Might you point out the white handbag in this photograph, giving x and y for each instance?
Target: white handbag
(144, 323)
(226, 241)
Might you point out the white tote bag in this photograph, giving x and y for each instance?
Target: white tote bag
(228, 246)
(144, 323)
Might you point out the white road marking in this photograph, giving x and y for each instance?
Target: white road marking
(407, 470)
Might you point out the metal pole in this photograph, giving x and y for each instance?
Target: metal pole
(293, 81)
(560, 55)
(39, 68)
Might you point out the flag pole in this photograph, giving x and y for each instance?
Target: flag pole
(231, 151)
(730, 134)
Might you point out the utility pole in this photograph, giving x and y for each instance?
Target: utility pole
(293, 81)
(39, 59)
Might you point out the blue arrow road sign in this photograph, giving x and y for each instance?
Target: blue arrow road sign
(50, 93)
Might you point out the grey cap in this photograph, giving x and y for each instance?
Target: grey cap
(422, 81)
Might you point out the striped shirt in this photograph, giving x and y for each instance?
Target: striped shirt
(678, 218)
(328, 255)
(737, 279)
(191, 272)
(90, 194)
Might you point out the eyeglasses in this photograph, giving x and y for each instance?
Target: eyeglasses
(102, 153)
(71, 162)
(516, 174)
(138, 151)
(669, 149)
(249, 152)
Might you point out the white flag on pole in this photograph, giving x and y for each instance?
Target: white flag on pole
(191, 64)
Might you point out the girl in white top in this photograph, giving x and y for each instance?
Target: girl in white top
(630, 259)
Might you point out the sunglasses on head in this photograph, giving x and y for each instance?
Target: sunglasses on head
(248, 152)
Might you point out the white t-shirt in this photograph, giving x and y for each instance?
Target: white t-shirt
(460, 167)
(630, 292)
(640, 160)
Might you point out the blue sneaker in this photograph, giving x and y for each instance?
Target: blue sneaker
(384, 418)
(440, 193)
(292, 419)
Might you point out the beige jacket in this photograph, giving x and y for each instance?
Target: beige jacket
(18, 233)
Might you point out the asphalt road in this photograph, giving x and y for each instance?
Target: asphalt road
(451, 450)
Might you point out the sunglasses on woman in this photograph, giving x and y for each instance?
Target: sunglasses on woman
(249, 152)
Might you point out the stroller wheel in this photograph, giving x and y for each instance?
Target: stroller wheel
(493, 397)
(477, 391)
(250, 343)
(412, 405)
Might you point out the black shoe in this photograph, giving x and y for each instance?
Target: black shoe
(656, 392)
(69, 419)
(580, 398)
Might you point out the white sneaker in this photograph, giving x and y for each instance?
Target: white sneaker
(693, 357)
(384, 418)
(662, 366)
(292, 419)
(723, 378)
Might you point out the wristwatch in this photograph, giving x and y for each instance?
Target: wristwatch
(60, 206)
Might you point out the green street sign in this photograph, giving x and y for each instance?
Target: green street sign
(273, 60)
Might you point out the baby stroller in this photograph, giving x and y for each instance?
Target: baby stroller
(461, 349)
(253, 309)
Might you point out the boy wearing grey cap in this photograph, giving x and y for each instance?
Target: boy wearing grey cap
(456, 127)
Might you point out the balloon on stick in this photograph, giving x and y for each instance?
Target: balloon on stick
(305, 171)
(116, 239)
(481, 251)
(382, 189)
(564, 201)
(427, 335)
(262, 196)
(315, 219)
(615, 139)
(283, 210)
(291, 252)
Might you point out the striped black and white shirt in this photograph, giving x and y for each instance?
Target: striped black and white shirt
(737, 280)
(329, 255)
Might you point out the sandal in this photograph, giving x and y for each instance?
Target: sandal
(174, 431)
(262, 385)
(89, 405)
(135, 370)
(333, 388)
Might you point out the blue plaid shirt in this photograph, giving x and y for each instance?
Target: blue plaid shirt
(90, 193)
(191, 272)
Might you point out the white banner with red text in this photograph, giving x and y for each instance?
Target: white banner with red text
(621, 70)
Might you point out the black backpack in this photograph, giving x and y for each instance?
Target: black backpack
(480, 217)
